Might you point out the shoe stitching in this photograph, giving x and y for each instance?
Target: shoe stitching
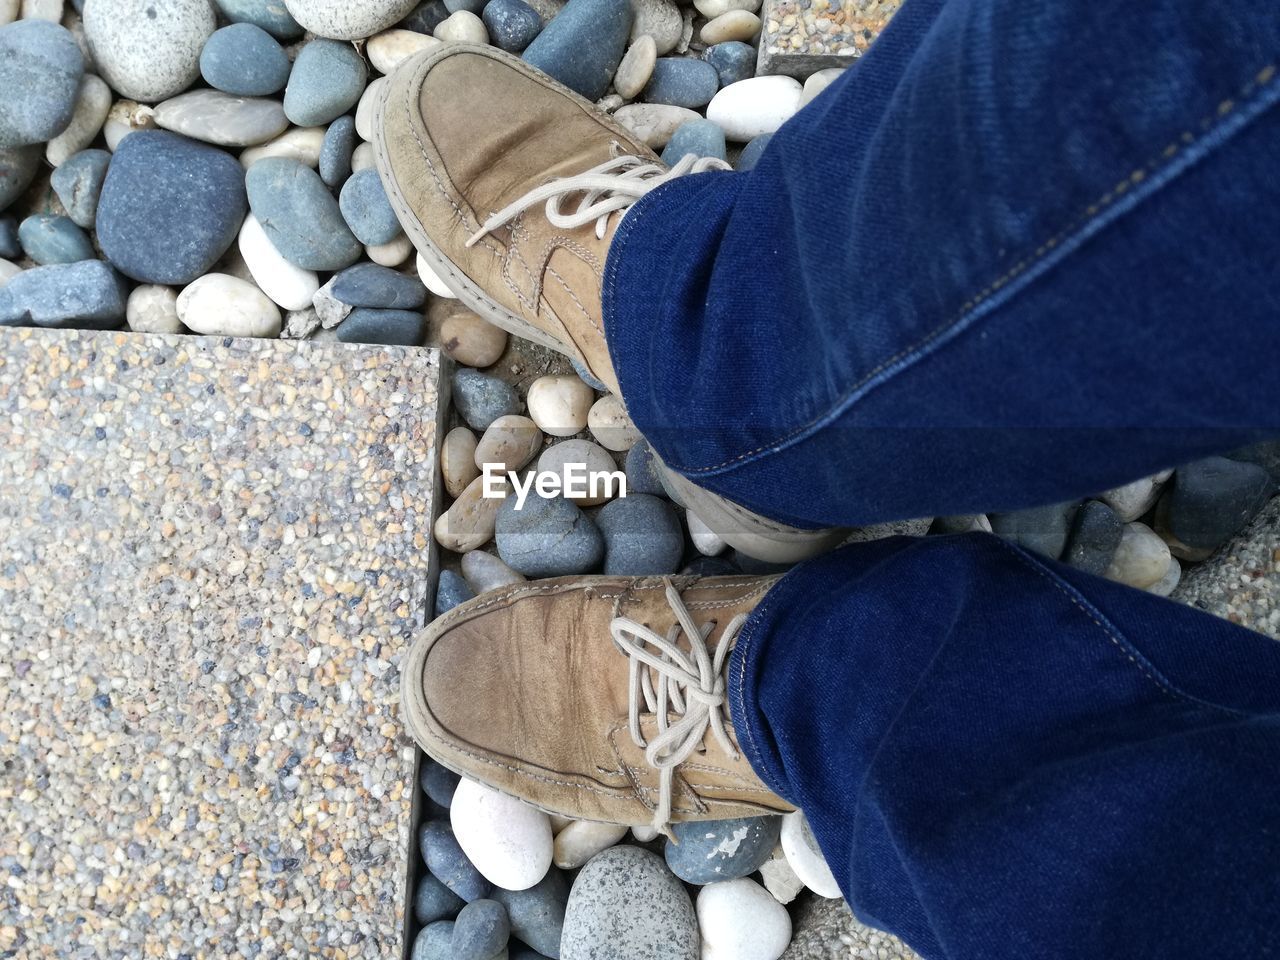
(513, 255)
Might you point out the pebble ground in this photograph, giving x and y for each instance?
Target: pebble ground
(835, 30)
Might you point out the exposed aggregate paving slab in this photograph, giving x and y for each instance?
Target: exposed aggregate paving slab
(799, 37)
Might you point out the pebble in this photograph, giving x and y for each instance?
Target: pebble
(433, 901)
(153, 309)
(462, 26)
(480, 931)
(644, 833)
(583, 45)
(426, 16)
(221, 305)
(733, 60)
(626, 905)
(126, 117)
(1134, 499)
(469, 522)
(659, 19)
(291, 287)
(449, 864)
(49, 239)
(1169, 582)
(654, 123)
(482, 399)
(712, 850)
(702, 138)
(510, 442)
(642, 536)
(50, 10)
(367, 210)
(271, 15)
(245, 60)
(560, 404)
(345, 20)
(537, 914)
(594, 458)
(778, 877)
(806, 858)
(642, 471)
(1141, 559)
(404, 328)
(472, 340)
(547, 537)
(739, 920)
(170, 207)
(9, 245)
(611, 425)
(715, 8)
(471, 6)
(390, 254)
(370, 285)
(18, 166)
(438, 783)
(84, 295)
(434, 942)
(431, 280)
(1208, 502)
(458, 460)
(817, 82)
(682, 82)
(1265, 455)
(92, 105)
(221, 118)
(335, 152)
(366, 108)
(8, 271)
(327, 80)
(1095, 535)
(583, 839)
(734, 25)
(512, 24)
(297, 143)
(750, 154)
(1040, 529)
(509, 841)
(961, 523)
(329, 310)
(300, 215)
(705, 540)
(485, 572)
(636, 67)
(391, 48)
(148, 50)
(749, 108)
(40, 71)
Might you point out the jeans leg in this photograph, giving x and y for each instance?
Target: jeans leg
(1019, 254)
(1006, 758)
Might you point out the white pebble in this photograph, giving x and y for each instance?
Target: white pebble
(509, 443)
(705, 540)
(1169, 582)
(391, 48)
(714, 8)
(226, 306)
(1142, 559)
(1133, 499)
(583, 839)
(462, 26)
(390, 254)
(611, 425)
(92, 105)
(755, 106)
(740, 920)
(365, 109)
(592, 457)
(8, 271)
(153, 309)
(431, 280)
(484, 572)
(50, 10)
(289, 285)
(779, 878)
(508, 841)
(644, 833)
(654, 123)
(363, 158)
(801, 849)
(348, 19)
(818, 82)
(559, 405)
(297, 143)
(9, 10)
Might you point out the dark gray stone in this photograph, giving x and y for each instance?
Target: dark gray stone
(426, 17)
(642, 471)
(471, 6)
(1265, 455)
(480, 931)
(327, 80)
(10, 246)
(78, 184)
(1212, 499)
(299, 214)
(271, 15)
(701, 566)
(451, 590)
(245, 60)
(336, 151)
(512, 24)
(404, 328)
(482, 399)
(40, 71)
(537, 914)
(170, 207)
(750, 154)
(1095, 534)
(434, 942)
(85, 295)
(433, 901)
(714, 850)
(18, 166)
(733, 61)
(1042, 529)
(702, 138)
(372, 285)
(642, 536)
(448, 864)
(367, 210)
(547, 537)
(583, 45)
(438, 782)
(48, 239)
(681, 82)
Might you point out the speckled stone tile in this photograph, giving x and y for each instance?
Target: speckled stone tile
(800, 37)
(212, 556)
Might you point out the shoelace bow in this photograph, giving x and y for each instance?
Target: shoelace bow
(609, 188)
(690, 684)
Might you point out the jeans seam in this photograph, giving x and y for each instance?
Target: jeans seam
(1146, 181)
(755, 756)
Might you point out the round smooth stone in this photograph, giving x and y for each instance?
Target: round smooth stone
(367, 210)
(654, 123)
(469, 522)
(18, 166)
(749, 108)
(471, 340)
(1095, 534)
(390, 254)
(750, 154)
(153, 309)
(818, 82)
(449, 864)
(50, 239)
(509, 841)
(583, 45)
(537, 914)
(148, 50)
(659, 19)
(365, 109)
(512, 24)
(583, 839)
(327, 80)
(560, 405)
(547, 537)
(611, 425)
(462, 27)
(1208, 502)
(734, 25)
(299, 143)
(93, 103)
(485, 572)
(222, 118)
(271, 15)
(961, 523)
(40, 71)
(642, 536)
(702, 138)
(86, 295)
(642, 471)
(344, 20)
(363, 158)
(458, 460)
(591, 457)
(715, 8)
(1042, 529)
(739, 920)
(705, 540)
(806, 859)
(404, 328)
(471, 6)
(1169, 582)
(336, 150)
(244, 59)
(1134, 499)
(636, 67)
(391, 48)
(509, 443)
(300, 215)
(289, 286)
(434, 942)
(78, 184)
(482, 399)
(682, 82)
(170, 207)
(50, 10)
(480, 931)
(431, 280)
(721, 849)
(426, 16)
(1141, 560)
(8, 271)
(221, 305)
(733, 60)
(437, 782)
(626, 905)
(370, 285)
(644, 833)
(433, 901)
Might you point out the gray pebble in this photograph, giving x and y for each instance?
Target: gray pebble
(642, 536)
(660, 19)
(1041, 529)
(426, 17)
(451, 590)
(367, 210)
(547, 537)
(300, 215)
(405, 328)
(750, 154)
(327, 79)
(48, 239)
(78, 184)
(480, 930)
(434, 942)
(713, 850)
(702, 138)
(244, 59)
(583, 46)
(642, 471)
(10, 247)
(336, 150)
(371, 285)
(433, 901)
(18, 166)
(438, 782)
(447, 862)
(222, 118)
(537, 914)
(681, 82)
(733, 60)
(482, 399)
(1209, 501)
(271, 15)
(1095, 534)
(40, 71)
(85, 295)
(512, 24)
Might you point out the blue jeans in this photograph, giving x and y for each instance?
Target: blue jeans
(1025, 251)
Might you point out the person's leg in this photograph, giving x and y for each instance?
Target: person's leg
(1005, 758)
(1022, 252)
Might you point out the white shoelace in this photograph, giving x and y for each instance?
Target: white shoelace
(609, 188)
(689, 684)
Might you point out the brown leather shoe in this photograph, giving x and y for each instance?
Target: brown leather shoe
(596, 698)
